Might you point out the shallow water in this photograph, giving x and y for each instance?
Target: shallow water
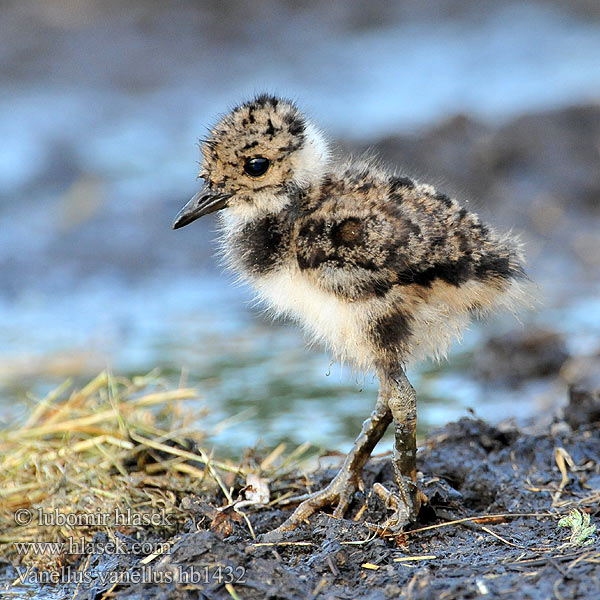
(98, 154)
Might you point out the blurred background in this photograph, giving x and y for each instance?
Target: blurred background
(101, 106)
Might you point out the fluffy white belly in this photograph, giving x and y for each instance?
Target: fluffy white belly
(340, 325)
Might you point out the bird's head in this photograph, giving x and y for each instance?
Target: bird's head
(253, 158)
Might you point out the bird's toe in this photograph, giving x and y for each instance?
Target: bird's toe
(405, 504)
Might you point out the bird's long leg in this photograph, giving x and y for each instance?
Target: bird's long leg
(344, 484)
(402, 402)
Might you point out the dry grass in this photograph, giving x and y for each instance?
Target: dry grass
(115, 444)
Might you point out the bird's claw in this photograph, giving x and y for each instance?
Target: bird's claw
(406, 504)
(339, 492)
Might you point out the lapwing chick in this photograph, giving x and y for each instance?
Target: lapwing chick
(381, 269)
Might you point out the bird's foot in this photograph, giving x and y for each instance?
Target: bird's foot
(339, 492)
(405, 504)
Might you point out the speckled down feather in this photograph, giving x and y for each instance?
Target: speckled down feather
(378, 267)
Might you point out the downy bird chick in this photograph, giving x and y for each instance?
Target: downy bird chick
(378, 267)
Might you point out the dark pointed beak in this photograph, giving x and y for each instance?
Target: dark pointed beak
(203, 203)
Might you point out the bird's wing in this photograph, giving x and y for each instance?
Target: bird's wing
(355, 256)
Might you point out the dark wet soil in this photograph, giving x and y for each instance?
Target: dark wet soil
(470, 471)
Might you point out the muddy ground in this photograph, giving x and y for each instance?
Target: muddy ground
(469, 470)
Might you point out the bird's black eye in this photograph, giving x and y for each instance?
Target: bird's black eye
(257, 166)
